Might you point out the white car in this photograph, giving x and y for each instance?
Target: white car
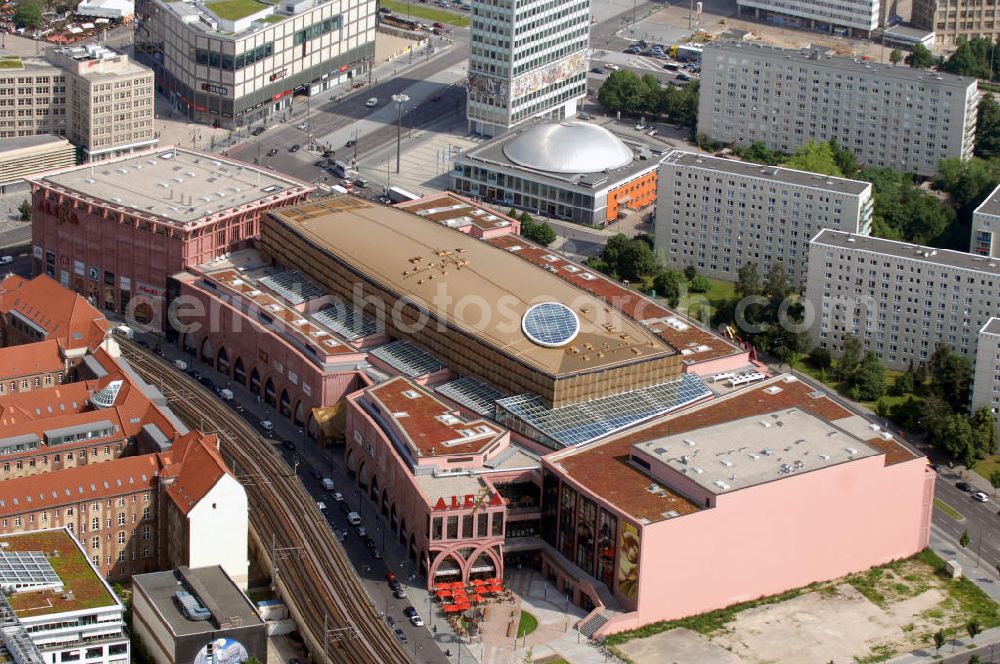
(6, 260)
(338, 496)
(362, 532)
(416, 620)
(981, 497)
(611, 67)
(304, 126)
(321, 505)
(372, 103)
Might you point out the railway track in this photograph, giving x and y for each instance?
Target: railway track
(336, 617)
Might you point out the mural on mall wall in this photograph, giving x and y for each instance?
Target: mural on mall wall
(530, 82)
(222, 651)
(628, 561)
(554, 73)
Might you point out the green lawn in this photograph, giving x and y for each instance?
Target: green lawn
(948, 509)
(232, 10)
(527, 624)
(416, 10)
(988, 466)
(717, 295)
(273, 18)
(11, 62)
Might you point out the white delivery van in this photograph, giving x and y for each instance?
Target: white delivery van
(321, 505)
(266, 425)
(354, 518)
(181, 364)
(226, 394)
(328, 484)
(125, 331)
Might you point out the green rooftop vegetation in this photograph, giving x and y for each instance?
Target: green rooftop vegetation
(410, 10)
(273, 18)
(74, 570)
(11, 62)
(233, 10)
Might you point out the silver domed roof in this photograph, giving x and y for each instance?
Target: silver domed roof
(568, 147)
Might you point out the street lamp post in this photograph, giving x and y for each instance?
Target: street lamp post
(400, 99)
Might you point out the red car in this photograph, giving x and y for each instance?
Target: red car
(390, 577)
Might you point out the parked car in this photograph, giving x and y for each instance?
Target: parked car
(598, 70)
(257, 131)
(390, 576)
(376, 554)
(272, 152)
(362, 531)
(321, 505)
(288, 445)
(338, 496)
(399, 593)
(981, 497)
(963, 486)
(372, 103)
(294, 148)
(315, 474)
(267, 425)
(415, 619)
(399, 634)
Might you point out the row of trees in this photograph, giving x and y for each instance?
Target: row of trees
(624, 91)
(772, 318)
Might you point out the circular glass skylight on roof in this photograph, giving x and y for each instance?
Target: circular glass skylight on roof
(550, 324)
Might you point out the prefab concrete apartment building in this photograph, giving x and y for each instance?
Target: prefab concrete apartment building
(901, 300)
(101, 100)
(527, 58)
(856, 17)
(229, 63)
(889, 116)
(720, 214)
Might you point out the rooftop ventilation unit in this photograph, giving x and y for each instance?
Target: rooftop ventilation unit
(191, 607)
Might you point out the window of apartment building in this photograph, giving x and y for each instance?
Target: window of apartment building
(95, 543)
(121, 518)
(121, 536)
(147, 532)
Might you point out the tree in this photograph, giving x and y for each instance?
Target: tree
(950, 377)
(974, 659)
(845, 159)
(995, 481)
(988, 128)
(28, 13)
(850, 358)
(527, 218)
(636, 261)
(690, 272)
(667, 285)
(869, 378)
(964, 540)
(815, 157)
(938, 639)
(759, 153)
(748, 281)
(542, 233)
(956, 439)
(512, 213)
(895, 56)
(777, 284)
(973, 628)
(935, 415)
(25, 209)
(699, 284)
(821, 358)
(920, 57)
(984, 432)
(908, 414)
(903, 384)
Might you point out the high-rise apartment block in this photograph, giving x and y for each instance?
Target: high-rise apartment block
(228, 63)
(895, 117)
(527, 58)
(901, 300)
(855, 17)
(100, 100)
(720, 214)
(985, 226)
(986, 372)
